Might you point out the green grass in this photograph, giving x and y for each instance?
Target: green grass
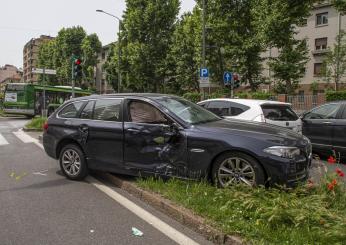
(36, 123)
(264, 216)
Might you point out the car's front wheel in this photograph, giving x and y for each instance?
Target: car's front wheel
(73, 163)
(237, 168)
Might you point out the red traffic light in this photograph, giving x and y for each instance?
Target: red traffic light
(77, 61)
(235, 77)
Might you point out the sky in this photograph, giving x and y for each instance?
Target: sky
(21, 20)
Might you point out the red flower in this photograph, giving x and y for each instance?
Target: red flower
(339, 172)
(331, 160)
(332, 185)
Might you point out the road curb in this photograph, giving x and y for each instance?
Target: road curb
(25, 129)
(181, 214)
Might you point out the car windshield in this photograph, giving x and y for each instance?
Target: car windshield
(187, 111)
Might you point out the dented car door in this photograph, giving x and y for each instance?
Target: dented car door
(152, 141)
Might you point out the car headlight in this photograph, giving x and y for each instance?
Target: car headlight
(283, 151)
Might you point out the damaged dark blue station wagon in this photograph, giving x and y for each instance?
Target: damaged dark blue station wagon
(164, 135)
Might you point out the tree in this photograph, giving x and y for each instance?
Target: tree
(289, 66)
(184, 57)
(57, 54)
(111, 67)
(233, 40)
(340, 5)
(334, 66)
(90, 46)
(46, 57)
(146, 34)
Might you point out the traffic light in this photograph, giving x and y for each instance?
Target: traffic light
(77, 68)
(236, 81)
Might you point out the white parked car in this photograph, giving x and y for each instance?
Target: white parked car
(266, 111)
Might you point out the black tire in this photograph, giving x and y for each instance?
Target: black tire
(253, 172)
(77, 159)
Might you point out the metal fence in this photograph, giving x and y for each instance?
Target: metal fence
(301, 103)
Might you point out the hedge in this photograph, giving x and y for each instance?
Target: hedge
(335, 95)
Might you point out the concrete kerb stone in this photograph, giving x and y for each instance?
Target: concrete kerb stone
(25, 129)
(181, 214)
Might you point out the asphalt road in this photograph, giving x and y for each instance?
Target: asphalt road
(40, 206)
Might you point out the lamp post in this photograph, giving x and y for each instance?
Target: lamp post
(119, 52)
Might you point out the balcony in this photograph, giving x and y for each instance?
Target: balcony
(320, 52)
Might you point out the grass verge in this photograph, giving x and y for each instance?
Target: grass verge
(36, 123)
(305, 215)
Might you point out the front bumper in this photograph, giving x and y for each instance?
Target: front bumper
(287, 172)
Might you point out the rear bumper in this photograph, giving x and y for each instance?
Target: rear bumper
(49, 145)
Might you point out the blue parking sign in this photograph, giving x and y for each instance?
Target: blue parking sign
(204, 72)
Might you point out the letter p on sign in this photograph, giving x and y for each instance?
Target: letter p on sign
(204, 72)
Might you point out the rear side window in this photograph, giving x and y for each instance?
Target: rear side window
(279, 113)
(87, 112)
(237, 109)
(107, 109)
(71, 110)
(220, 108)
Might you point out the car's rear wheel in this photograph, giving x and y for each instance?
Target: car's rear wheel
(237, 168)
(73, 163)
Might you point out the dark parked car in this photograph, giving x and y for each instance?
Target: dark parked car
(153, 134)
(325, 126)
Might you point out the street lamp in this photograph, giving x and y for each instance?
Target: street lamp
(119, 52)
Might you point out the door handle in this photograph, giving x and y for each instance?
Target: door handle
(134, 130)
(83, 128)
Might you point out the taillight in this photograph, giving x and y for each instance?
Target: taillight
(45, 126)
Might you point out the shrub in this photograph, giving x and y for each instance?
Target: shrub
(261, 96)
(194, 96)
(36, 123)
(335, 95)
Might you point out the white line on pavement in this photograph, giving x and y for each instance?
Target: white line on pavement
(20, 134)
(3, 141)
(169, 231)
(163, 227)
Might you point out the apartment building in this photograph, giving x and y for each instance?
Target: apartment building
(321, 30)
(8, 74)
(30, 57)
(102, 86)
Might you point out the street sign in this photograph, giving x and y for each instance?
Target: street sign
(204, 82)
(227, 78)
(204, 72)
(43, 71)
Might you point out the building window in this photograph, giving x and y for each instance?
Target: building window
(322, 19)
(317, 69)
(321, 43)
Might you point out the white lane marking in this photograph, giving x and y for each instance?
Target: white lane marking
(20, 134)
(3, 141)
(166, 229)
(163, 227)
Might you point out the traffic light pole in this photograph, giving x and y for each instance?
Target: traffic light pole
(72, 72)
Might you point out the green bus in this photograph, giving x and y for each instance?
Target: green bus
(27, 99)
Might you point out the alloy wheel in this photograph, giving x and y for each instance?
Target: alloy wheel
(71, 162)
(236, 170)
